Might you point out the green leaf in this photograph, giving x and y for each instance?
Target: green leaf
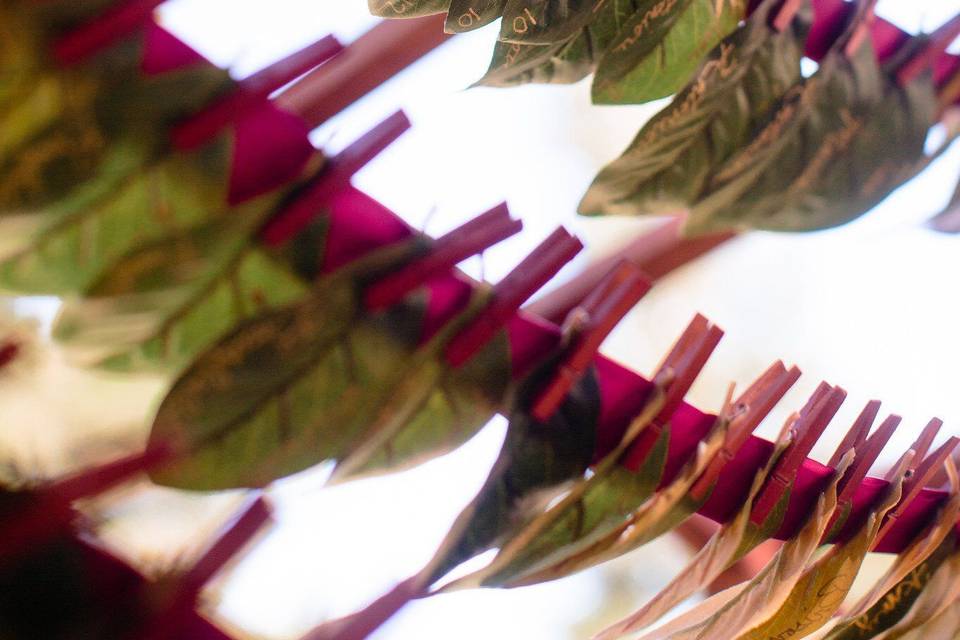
(466, 15)
(669, 161)
(536, 460)
(660, 47)
(26, 31)
(54, 140)
(840, 142)
(323, 380)
(645, 49)
(67, 122)
(563, 62)
(517, 64)
(545, 21)
(662, 512)
(591, 505)
(20, 46)
(86, 175)
(125, 207)
(162, 304)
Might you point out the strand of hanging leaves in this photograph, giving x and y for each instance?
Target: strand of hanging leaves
(347, 337)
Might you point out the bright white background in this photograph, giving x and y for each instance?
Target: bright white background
(871, 306)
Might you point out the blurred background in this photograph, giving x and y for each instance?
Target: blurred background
(870, 306)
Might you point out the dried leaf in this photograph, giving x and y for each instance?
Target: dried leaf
(731, 610)
(894, 593)
(821, 589)
(945, 625)
(730, 543)
(939, 594)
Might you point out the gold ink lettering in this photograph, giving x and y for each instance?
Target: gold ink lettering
(520, 23)
(770, 133)
(722, 67)
(832, 145)
(468, 18)
(659, 10)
